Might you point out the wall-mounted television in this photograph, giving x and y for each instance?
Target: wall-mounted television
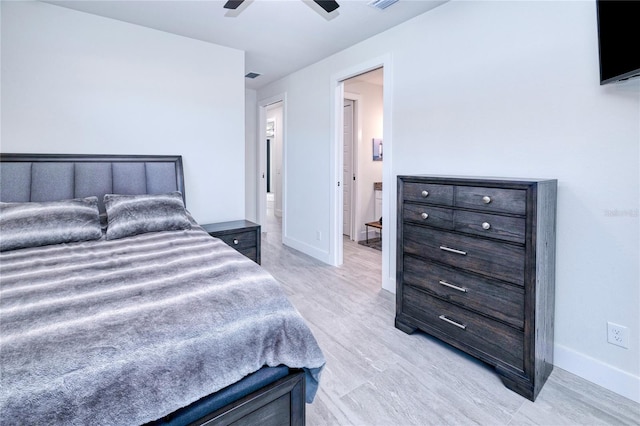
(618, 35)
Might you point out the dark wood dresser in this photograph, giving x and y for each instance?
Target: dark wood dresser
(476, 269)
(242, 235)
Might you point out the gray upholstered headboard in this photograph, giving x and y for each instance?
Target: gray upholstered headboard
(50, 177)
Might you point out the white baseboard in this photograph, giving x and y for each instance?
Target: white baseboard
(307, 249)
(598, 372)
(373, 233)
(389, 285)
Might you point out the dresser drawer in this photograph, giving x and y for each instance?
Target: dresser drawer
(239, 240)
(492, 199)
(494, 298)
(507, 228)
(499, 260)
(497, 342)
(429, 215)
(428, 193)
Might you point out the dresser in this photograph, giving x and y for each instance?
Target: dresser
(242, 235)
(476, 269)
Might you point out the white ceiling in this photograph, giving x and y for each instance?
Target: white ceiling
(278, 36)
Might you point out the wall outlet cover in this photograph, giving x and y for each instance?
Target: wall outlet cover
(617, 335)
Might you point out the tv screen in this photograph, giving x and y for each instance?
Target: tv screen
(618, 35)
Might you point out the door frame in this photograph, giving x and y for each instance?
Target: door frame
(388, 187)
(261, 201)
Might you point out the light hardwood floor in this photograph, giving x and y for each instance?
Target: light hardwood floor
(378, 375)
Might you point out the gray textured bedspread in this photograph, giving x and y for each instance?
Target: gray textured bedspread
(126, 331)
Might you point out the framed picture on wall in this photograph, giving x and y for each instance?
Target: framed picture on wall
(377, 149)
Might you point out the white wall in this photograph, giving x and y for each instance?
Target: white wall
(251, 156)
(368, 171)
(511, 89)
(77, 83)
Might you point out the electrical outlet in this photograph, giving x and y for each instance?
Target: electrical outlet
(617, 335)
(318, 235)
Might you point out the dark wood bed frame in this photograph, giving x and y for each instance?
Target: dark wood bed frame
(279, 403)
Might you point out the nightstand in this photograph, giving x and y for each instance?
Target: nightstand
(242, 235)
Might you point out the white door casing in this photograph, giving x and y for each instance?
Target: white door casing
(388, 189)
(261, 203)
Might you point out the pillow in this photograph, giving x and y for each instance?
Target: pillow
(129, 215)
(36, 224)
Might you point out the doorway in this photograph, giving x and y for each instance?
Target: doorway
(274, 129)
(388, 235)
(362, 159)
(271, 198)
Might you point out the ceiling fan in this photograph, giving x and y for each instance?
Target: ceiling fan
(328, 5)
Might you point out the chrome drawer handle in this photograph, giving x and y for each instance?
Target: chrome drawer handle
(424, 215)
(425, 194)
(445, 248)
(235, 241)
(457, 324)
(486, 225)
(453, 286)
(486, 199)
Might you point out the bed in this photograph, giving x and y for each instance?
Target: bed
(117, 308)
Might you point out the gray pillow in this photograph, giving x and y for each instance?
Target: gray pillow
(34, 224)
(129, 215)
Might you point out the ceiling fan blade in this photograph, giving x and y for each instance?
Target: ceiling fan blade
(328, 5)
(233, 4)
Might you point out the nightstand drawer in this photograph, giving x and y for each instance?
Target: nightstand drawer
(251, 253)
(242, 235)
(239, 240)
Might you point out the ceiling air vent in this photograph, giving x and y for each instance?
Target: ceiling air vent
(252, 75)
(381, 4)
